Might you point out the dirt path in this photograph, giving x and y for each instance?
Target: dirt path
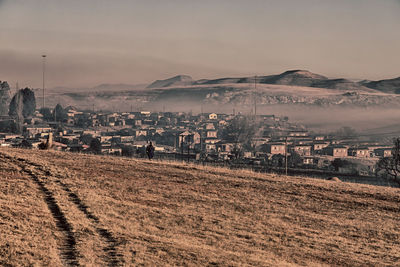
(68, 246)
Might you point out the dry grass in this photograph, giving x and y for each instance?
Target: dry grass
(132, 212)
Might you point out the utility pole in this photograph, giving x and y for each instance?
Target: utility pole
(188, 147)
(286, 157)
(255, 96)
(43, 65)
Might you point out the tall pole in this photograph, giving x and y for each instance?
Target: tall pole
(255, 96)
(286, 157)
(44, 64)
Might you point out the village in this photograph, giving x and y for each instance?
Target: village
(275, 143)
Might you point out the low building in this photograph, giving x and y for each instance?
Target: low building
(319, 146)
(336, 151)
(383, 152)
(360, 152)
(276, 148)
(302, 150)
(212, 116)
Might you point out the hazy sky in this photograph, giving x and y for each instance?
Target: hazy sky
(89, 42)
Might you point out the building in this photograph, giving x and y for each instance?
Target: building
(383, 152)
(212, 116)
(302, 150)
(188, 138)
(276, 148)
(361, 152)
(336, 151)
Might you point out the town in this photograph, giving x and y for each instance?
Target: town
(269, 141)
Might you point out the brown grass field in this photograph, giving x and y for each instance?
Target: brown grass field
(59, 208)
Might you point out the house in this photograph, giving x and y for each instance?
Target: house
(336, 151)
(210, 126)
(276, 148)
(140, 132)
(302, 150)
(260, 141)
(210, 147)
(383, 152)
(226, 147)
(361, 152)
(212, 116)
(211, 134)
(308, 160)
(318, 146)
(188, 138)
(32, 131)
(298, 133)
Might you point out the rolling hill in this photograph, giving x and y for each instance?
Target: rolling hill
(174, 81)
(60, 208)
(387, 86)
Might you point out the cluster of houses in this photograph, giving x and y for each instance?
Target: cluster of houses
(195, 137)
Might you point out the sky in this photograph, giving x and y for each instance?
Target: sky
(90, 42)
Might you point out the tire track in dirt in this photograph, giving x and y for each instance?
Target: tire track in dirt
(68, 251)
(112, 257)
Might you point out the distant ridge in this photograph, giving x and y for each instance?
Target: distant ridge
(174, 81)
(290, 77)
(386, 86)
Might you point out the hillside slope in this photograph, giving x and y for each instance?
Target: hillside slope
(387, 86)
(71, 209)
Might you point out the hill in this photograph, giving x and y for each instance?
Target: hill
(302, 78)
(61, 208)
(387, 86)
(174, 81)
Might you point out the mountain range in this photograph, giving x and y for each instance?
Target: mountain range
(291, 78)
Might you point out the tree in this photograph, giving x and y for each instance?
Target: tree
(59, 113)
(95, 146)
(239, 131)
(295, 159)
(86, 139)
(390, 166)
(23, 103)
(4, 97)
(128, 151)
(47, 116)
(339, 163)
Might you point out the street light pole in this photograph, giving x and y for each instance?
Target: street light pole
(43, 65)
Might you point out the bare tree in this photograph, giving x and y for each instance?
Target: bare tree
(391, 165)
(239, 131)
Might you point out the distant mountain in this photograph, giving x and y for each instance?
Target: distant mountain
(291, 78)
(180, 80)
(340, 84)
(117, 87)
(294, 77)
(386, 86)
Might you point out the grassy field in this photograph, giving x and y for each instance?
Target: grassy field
(72, 209)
